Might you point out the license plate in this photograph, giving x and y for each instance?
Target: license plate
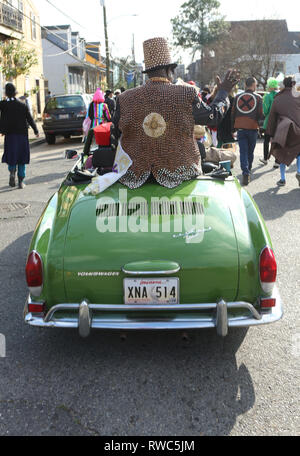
(151, 291)
(63, 116)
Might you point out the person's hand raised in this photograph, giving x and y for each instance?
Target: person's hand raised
(231, 79)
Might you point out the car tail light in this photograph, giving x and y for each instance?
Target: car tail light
(36, 308)
(267, 303)
(82, 114)
(34, 273)
(46, 116)
(268, 269)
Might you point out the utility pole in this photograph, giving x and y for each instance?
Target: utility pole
(102, 3)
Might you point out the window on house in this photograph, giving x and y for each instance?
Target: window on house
(33, 26)
(20, 6)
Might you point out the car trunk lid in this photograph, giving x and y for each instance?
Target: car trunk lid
(109, 240)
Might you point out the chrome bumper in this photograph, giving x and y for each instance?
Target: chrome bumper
(87, 316)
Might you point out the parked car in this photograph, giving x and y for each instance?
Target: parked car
(64, 115)
(197, 256)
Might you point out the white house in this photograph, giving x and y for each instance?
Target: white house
(65, 66)
(290, 52)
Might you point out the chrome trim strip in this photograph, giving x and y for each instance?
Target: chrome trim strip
(246, 305)
(155, 273)
(54, 309)
(85, 320)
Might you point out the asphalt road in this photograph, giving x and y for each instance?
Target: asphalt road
(54, 383)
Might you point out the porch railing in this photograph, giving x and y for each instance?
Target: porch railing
(11, 18)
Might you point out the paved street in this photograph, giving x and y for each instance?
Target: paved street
(54, 383)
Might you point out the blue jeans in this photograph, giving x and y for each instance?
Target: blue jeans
(21, 170)
(247, 142)
(283, 168)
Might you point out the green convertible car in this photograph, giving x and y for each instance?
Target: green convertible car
(197, 256)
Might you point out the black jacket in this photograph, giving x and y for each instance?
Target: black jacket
(224, 128)
(111, 105)
(15, 117)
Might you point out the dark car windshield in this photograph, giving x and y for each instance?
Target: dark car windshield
(65, 103)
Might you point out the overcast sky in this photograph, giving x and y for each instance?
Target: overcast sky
(153, 18)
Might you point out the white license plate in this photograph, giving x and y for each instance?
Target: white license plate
(63, 116)
(151, 291)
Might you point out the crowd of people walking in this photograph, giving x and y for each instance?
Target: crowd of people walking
(240, 123)
(278, 109)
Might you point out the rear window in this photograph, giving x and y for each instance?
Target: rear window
(65, 102)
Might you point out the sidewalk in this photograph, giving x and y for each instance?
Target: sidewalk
(33, 141)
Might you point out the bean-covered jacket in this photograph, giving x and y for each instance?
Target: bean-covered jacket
(157, 123)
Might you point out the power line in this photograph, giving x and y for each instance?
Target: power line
(48, 30)
(127, 68)
(61, 53)
(66, 41)
(64, 14)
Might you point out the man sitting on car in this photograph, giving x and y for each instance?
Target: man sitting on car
(156, 121)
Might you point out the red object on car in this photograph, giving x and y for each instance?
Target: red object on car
(267, 303)
(34, 270)
(36, 308)
(268, 269)
(102, 134)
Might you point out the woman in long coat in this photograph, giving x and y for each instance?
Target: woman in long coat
(15, 117)
(284, 128)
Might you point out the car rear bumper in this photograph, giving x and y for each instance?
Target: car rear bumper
(86, 316)
(53, 128)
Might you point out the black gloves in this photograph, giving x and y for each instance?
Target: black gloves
(231, 79)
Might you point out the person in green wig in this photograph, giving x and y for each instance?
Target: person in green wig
(272, 86)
